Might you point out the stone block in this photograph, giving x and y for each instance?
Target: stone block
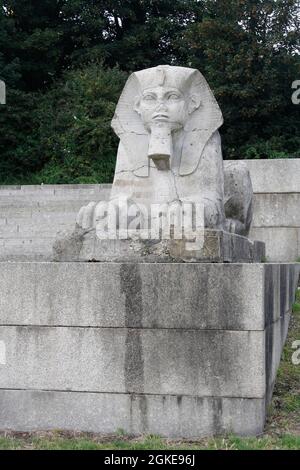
(210, 246)
(12, 213)
(197, 296)
(275, 339)
(22, 249)
(169, 416)
(276, 210)
(281, 242)
(273, 293)
(116, 360)
(274, 176)
(177, 295)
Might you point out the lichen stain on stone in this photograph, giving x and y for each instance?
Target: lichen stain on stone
(131, 400)
(282, 328)
(179, 400)
(217, 406)
(131, 286)
(269, 295)
(269, 313)
(143, 406)
(134, 362)
(269, 356)
(139, 411)
(199, 401)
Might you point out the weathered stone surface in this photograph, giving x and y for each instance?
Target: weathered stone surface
(210, 246)
(277, 210)
(177, 295)
(33, 215)
(275, 338)
(69, 245)
(169, 416)
(25, 250)
(274, 176)
(154, 361)
(192, 350)
(274, 292)
(238, 197)
(282, 244)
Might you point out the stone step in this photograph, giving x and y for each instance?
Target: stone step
(51, 187)
(57, 195)
(42, 203)
(30, 231)
(35, 217)
(48, 210)
(53, 190)
(36, 249)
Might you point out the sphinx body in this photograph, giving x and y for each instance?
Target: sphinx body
(167, 120)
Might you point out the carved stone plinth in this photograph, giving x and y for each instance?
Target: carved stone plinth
(210, 246)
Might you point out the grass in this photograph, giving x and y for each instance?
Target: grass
(71, 441)
(285, 408)
(282, 429)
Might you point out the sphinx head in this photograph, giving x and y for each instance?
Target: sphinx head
(164, 107)
(159, 101)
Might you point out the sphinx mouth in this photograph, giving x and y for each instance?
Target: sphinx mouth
(160, 116)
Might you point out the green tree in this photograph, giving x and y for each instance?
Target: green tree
(18, 126)
(249, 52)
(9, 64)
(75, 142)
(32, 38)
(47, 36)
(133, 34)
(64, 134)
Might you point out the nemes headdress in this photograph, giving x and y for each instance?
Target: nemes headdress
(200, 125)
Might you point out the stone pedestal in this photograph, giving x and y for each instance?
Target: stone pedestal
(209, 246)
(180, 350)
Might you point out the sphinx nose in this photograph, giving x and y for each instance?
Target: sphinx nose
(161, 106)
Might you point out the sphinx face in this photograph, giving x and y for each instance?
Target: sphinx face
(163, 110)
(165, 105)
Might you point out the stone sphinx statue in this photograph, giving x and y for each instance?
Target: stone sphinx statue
(167, 120)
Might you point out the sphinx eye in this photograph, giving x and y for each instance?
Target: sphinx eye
(149, 97)
(173, 96)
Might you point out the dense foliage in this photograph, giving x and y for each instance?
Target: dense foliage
(65, 62)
